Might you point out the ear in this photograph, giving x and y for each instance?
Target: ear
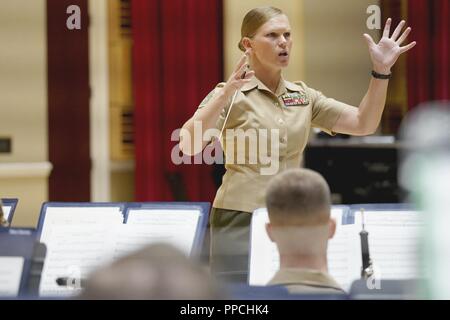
(247, 43)
(269, 231)
(332, 228)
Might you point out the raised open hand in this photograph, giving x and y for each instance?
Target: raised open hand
(386, 52)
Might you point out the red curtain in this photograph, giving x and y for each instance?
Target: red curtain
(428, 62)
(177, 60)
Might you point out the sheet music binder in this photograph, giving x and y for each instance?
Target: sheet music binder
(48, 205)
(21, 242)
(348, 217)
(125, 207)
(12, 203)
(126, 210)
(202, 207)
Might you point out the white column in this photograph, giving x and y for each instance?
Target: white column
(99, 103)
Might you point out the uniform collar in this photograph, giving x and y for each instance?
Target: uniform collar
(281, 90)
(308, 277)
(292, 86)
(254, 82)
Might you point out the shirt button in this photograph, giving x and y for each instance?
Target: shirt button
(280, 121)
(282, 140)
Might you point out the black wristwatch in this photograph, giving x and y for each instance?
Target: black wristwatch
(377, 75)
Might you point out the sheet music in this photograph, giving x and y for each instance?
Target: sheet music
(10, 275)
(393, 243)
(63, 216)
(6, 211)
(344, 254)
(176, 227)
(74, 251)
(163, 217)
(394, 238)
(133, 237)
(77, 238)
(264, 258)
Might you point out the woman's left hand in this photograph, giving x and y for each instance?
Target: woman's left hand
(386, 52)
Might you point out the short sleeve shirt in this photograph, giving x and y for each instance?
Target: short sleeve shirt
(266, 133)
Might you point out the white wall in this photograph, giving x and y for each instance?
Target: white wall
(23, 106)
(99, 104)
(337, 59)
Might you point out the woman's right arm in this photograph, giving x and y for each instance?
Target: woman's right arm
(209, 114)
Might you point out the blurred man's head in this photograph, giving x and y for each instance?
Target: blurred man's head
(157, 271)
(298, 203)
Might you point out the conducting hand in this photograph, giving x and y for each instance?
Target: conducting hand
(241, 74)
(386, 52)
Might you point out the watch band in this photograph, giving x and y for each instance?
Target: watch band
(377, 75)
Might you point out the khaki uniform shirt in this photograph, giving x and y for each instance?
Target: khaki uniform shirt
(306, 281)
(279, 123)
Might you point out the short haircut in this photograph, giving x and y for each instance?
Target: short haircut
(298, 196)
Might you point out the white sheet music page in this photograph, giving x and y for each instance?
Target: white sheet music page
(344, 253)
(176, 227)
(10, 274)
(393, 242)
(6, 211)
(64, 216)
(264, 258)
(130, 238)
(74, 251)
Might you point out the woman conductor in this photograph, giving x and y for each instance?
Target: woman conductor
(257, 99)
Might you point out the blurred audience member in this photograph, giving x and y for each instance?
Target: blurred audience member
(157, 271)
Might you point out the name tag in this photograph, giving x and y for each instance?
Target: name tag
(295, 99)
